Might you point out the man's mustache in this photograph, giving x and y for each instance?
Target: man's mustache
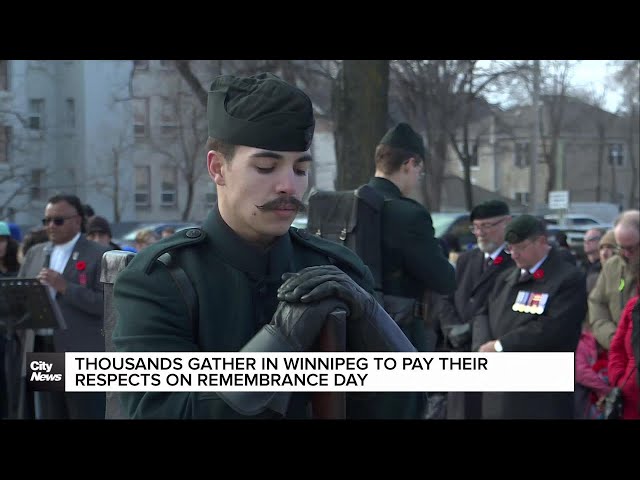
(283, 203)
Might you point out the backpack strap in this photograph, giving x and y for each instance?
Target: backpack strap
(369, 238)
(185, 287)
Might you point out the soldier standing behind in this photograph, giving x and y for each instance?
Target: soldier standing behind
(476, 272)
(537, 307)
(412, 259)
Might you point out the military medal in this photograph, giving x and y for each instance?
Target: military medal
(74, 257)
(518, 305)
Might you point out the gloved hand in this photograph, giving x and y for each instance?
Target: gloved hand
(369, 327)
(300, 323)
(294, 327)
(315, 283)
(460, 336)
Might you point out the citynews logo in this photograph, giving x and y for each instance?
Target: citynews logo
(45, 371)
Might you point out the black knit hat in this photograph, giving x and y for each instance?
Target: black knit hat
(489, 209)
(260, 111)
(403, 136)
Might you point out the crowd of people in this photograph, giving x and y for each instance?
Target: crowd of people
(247, 281)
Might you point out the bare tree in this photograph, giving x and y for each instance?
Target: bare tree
(189, 134)
(108, 182)
(359, 104)
(628, 78)
(16, 176)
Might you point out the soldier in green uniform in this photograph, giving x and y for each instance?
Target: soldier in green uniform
(260, 131)
(412, 259)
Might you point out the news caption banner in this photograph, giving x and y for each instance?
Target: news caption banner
(310, 371)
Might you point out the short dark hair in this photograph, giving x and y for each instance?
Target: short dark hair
(88, 211)
(75, 203)
(226, 149)
(390, 159)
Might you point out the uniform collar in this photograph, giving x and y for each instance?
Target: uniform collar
(232, 249)
(386, 186)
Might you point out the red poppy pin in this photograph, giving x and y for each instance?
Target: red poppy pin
(81, 265)
(538, 274)
(498, 260)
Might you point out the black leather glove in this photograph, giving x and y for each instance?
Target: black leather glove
(460, 336)
(369, 327)
(315, 283)
(294, 327)
(300, 323)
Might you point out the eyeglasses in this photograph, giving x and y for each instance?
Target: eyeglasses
(511, 249)
(630, 250)
(56, 220)
(485, 226)
(592, 239)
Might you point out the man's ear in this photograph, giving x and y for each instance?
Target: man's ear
(215, 163)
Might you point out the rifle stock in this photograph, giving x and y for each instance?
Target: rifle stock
(332, 338)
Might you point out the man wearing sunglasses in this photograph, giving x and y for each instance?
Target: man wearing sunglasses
(69, 265)
(537, 306)
(476, 272)
(617, 281)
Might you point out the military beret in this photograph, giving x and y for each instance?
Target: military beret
(523, 227)
(489, 209)
(403, 136)
(260, 111)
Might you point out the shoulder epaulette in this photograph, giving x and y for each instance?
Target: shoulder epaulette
(337, 253)
(180, 239)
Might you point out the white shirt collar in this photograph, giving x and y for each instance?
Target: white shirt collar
(495, 253)
(533, 269)
(67, 247)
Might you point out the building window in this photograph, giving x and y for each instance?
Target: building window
(168, 119)
(616, 154)
(37, 190)
(521, 154)
(143, 186)
(36, 114)
(141, 64)
(522, 198)
(70, 113)
(168, 187)
(5, 143)
(141, 117)
(4, 74)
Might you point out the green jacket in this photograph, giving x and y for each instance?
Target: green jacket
(412, 262)
(412, 257)
(614, 287)
(236, 286)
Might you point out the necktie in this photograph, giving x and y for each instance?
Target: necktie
(488, 261)
(524, 276)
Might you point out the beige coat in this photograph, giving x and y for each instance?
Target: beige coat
(613, 289)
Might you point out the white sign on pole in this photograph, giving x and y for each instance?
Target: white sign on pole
(559, 200)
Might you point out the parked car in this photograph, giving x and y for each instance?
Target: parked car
(455, 224)
(574, 225)
(129, 238)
